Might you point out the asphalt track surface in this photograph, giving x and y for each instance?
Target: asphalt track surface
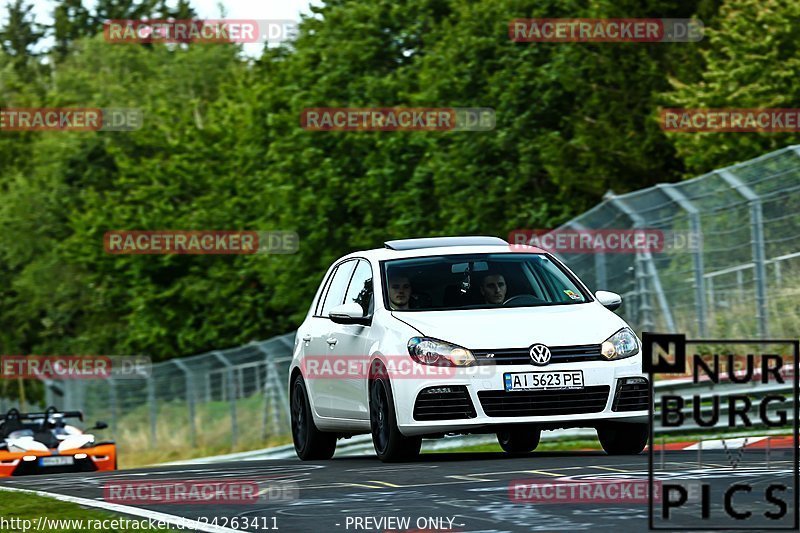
(464, 491)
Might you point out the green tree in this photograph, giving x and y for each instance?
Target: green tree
(222, 148)
(71, 21)
(753, 61)
(19, 36)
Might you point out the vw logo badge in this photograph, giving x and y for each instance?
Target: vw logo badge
(540, 354)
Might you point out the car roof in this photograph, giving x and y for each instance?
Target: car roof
(384, 254)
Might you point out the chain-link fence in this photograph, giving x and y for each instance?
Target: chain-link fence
(743, 281)
(214, 402)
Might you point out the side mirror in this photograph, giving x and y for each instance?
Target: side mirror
(349, 313)
(100, 425)
(610, 300)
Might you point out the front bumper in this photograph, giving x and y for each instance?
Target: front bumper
(96, 459)
(493, 408)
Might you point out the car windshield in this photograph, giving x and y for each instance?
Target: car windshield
(478, 281)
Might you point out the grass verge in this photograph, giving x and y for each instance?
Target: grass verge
(213, 432)
(63, 517)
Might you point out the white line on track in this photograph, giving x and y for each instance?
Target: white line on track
(125, 509)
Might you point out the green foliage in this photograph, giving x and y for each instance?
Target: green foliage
(64, 517)
(753, 61)
(222, 148)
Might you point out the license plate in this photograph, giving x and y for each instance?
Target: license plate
(63, 460)
(557, 379)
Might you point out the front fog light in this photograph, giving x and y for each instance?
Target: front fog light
(620, 345)
(635, 381)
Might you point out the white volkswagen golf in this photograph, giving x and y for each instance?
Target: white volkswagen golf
(452, 335)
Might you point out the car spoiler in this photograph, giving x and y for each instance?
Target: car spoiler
(14, 414)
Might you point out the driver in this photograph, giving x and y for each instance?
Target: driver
(399, 292)
(493, 288)
(58, 427)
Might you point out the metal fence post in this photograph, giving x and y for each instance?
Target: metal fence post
(645, 312)
(65, 394)
(189, 380)
(48, 392)
(757, 236)
(78, 395)
(112, 400)
(281, 385)
(282, 398)
(153, 408)
(231, 379)
(697, 255)
(600, 277)
(646, 259)
(273, 401)
(266, 392)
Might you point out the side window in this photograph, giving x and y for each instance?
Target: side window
(360, 290)
(337, 287)
(318, 307)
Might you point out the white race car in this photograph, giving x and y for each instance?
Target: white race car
(428, 337)
(43, 443)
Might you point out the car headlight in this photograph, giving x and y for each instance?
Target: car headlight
(438, 353)
(620, 345)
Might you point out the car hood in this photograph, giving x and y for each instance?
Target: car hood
(25, 444)
(517, 327)
(74, 442)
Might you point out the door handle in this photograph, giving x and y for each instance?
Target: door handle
(332, 341)
(307, 338)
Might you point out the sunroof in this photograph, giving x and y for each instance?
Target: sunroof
(436, 242)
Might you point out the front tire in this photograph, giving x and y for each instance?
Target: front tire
(623, 439)
(390, 445)
(519, 441)
(309, 442)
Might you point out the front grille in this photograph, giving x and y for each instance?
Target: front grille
(27, 468)
(521, 356)
(545, 402)
(444, 403)
(631, 397)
